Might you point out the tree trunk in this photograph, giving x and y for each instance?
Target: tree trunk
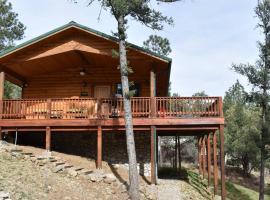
(133, 172)
(245, 164)
(261, 197)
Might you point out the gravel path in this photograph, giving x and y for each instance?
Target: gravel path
(169, 190)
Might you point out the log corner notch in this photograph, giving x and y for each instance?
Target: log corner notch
(48, 138)
(99, 148)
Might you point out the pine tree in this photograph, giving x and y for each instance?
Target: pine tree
(141, 11)
(259, 77)
(11, 30)
(242, 129)
(158, 45)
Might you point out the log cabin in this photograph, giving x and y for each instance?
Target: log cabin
(71, 83)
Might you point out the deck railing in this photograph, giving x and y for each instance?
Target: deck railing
(93, 108)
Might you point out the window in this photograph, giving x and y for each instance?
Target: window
(135, 88)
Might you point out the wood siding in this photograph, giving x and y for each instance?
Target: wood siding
(69, 83)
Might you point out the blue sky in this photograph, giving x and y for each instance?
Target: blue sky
(208, 36)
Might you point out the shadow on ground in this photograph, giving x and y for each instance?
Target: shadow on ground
(188, 176)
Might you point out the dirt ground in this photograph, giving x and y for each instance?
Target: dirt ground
(25, 180)
(78, 161)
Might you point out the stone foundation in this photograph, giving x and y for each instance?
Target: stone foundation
(114, 149)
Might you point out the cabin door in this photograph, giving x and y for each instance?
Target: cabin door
(103, 91)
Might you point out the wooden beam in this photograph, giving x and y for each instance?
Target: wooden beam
(48, 138)
(222, 162)
(203, 157)
(209, 158)
(200, 154)
(215, 163)
(99, 148)
(220, 106)
(153, 91)
(13, 76)
(198, 122)
(152, 82)
(2, 85)
(153, 160)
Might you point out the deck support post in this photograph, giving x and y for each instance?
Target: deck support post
(153, 91)
(203, 156)
(222, 162)
(1, 134)
(209, 158)
(152, 82)
(215, 163)
(2, 85)
(200, 154)
(153, 157)
(179, 153)
(48, 138)
(99, 147)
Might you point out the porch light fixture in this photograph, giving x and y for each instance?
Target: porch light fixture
(82, 72)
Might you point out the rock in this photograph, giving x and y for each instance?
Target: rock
(52, 160)
(67, 166)
(15, 150)
(58, 163)
(115, 166)
(33, 159)
(58, 168)
(72, 172)
(109, 178)
(77, 168)
(4, 195)
(47, 154)
(100, 172)
(150, 197)
(27, 153)
(85, 172)
(41, 162)
(26, 157)
(41, 158)
(95, 177)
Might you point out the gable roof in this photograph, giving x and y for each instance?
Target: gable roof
(87, 29)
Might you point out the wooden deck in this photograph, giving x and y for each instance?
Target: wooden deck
(85, 112)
